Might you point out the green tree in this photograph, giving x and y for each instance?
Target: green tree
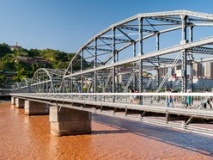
(2, 79)
(4, 49)
(34, 52)
(7, 62)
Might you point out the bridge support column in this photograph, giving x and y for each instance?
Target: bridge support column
(19, 102)
(13, 100)
(65, 121)
(36, 108)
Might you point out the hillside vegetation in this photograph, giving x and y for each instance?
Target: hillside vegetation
(17, 63)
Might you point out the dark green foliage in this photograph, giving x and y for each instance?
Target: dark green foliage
(4, 49)
(34, 52)
(9, 61)
(2, 79)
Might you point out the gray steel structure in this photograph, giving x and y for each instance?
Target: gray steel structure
(196, 118)
(144, 42)
(145, 39)
(44, 80)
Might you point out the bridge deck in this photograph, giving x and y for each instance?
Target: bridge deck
(196, 120)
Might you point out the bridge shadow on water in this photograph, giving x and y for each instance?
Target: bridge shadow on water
(191, 141)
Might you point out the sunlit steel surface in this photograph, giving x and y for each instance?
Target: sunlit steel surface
(176, 115)
(153, 39)
(144, 42)
(45, 80)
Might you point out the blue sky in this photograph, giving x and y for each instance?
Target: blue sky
(67, 24)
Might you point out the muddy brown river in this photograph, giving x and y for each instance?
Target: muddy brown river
(23, 137)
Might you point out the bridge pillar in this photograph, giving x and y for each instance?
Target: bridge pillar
(13, 100)
(65, 121)
(19, 102)
(35, 108)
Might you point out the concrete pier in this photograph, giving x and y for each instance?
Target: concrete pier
(13, 100)
(19, 102)
(35, 108)
(65, 121)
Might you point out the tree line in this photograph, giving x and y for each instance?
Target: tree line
(9, 62)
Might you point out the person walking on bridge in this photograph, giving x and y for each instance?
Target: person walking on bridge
(131, 97)
(208, 100)
(136, 98)
(170, 99)
(189, 101)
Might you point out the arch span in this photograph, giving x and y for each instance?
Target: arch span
(161, 43)
(24, 85)
(47, 80)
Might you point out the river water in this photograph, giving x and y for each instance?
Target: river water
(23, 137)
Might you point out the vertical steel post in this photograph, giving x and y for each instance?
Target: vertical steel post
(82, 55)
(95, 72)
(71, 78)
(29, 88)
(134, 66)
(184, 57)
(140, 52)
(157, 48)
(113, 61)
(43, 91)
(116, 72)
(191, 66)
(184, 29)
(52, 85)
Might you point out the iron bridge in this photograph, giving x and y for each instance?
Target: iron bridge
(142, 53)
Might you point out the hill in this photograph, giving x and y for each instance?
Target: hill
(17, 63)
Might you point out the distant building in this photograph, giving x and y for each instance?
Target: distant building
(163, 71)
(197, 70)
(124, 74)
(208, 71)
(126, 77)
(32, 60)
(15, 47)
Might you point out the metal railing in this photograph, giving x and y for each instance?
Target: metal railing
(170, 100)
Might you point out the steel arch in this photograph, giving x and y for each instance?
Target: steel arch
(24, 85)
(16, 87)
(47, 80)
(155, 39)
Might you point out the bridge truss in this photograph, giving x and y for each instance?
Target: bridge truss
(118, 57)
(44, 81)
(144, 42)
